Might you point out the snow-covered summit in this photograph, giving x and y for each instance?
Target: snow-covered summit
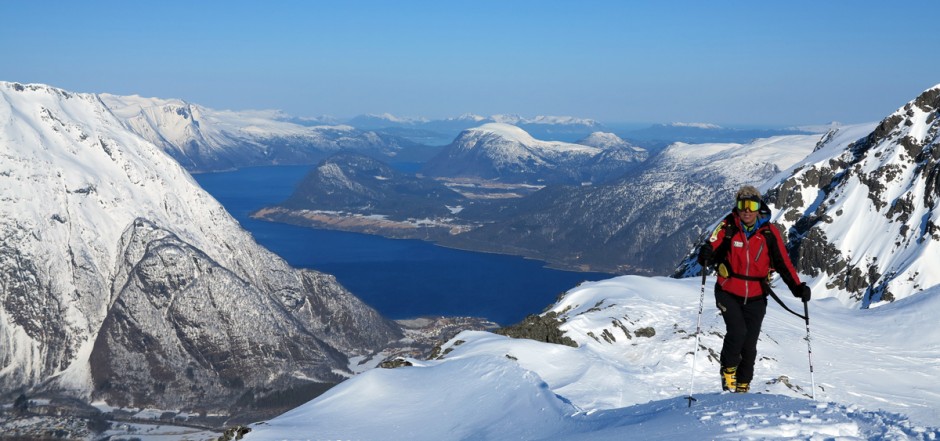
(509, 153)
(468, 117)
(608, 141)
(511, 134)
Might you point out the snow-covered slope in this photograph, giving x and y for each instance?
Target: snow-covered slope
(106, 242)
(510, 145)
(632, 371)
(864, 208)
(206, 139)
(607, 140)
(861, 211)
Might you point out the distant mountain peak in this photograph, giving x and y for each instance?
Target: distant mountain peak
(607, 141)
(507, 131)
(468, 117)
(510, 154)
(544, 120)
(695, 125)
(396, 119)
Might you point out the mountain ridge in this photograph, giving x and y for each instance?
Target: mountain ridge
(204, 139)
(507, 153)
(884, 176)
(101, 228)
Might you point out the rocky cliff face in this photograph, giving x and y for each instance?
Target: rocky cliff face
(861, 212)
(123, 280)
(863, 215)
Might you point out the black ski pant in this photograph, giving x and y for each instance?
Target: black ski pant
(743, 318)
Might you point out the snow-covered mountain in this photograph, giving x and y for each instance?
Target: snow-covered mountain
(641, 217)
(443, 131)
(124, 281)
(378, 121)
(632, 370)
(616, 157)
(204, 139)
(503, 152)
(609, 141)
(517, 120)
(885, 178)
(701, 132)
(388, 120)
(645, 221)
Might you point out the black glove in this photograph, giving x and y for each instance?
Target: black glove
(706, 255)
(803, 292)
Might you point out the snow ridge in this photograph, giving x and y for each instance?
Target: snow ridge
(630, 375)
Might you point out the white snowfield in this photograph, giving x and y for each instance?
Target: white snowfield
(875, 376)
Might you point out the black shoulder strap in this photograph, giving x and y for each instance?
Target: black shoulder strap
(730, 230)
(776, 256)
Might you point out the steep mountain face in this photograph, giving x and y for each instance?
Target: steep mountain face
(862, 211)
(203, 139)
(506, 153)
(124, 281)
(645, 221)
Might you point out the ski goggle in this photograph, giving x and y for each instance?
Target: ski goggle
(748, 205)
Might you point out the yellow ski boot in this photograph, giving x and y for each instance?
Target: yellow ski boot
(727, 378)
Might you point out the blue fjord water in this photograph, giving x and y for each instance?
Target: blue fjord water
(399, 278)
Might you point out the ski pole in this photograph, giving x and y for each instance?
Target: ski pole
(698, 331)
(809, 349)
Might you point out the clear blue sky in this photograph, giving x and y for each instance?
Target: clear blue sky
(724, 62)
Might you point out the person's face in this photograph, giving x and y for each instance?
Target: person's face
(748, 214)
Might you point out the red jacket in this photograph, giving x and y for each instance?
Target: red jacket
(749, 260)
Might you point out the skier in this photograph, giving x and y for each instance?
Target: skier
(746, 248)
